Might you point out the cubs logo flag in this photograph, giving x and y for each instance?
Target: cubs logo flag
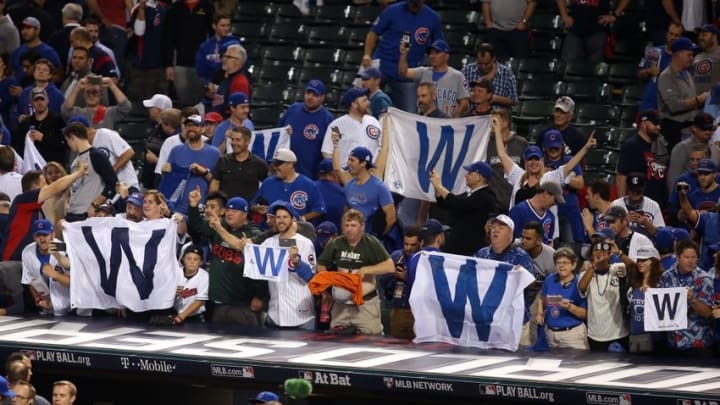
(420, 145)
(264, 143)
(266, 263)
(119, 263)
(33, 160)
(666, 309)
(468, 301)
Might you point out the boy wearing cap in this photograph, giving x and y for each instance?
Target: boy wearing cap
(194, 160)
(452, 93)
(644, 213)
(468, 211)
(236, 299)
(379, 101)
(291, 304)
(678, 99)
(363, 190)
(356, 128)
(45, 271)
(192, 290)
(309, 121)
(288, 185)
(239, 105)
(30, 34)
(705, 69)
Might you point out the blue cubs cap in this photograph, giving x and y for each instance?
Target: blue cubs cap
(237, 203)
(605, 233)
(363, 154)
(272, 209)
(325, 166)
(80, 119)
(136, 198)
(354, 94)
(440, 46)
(263, 397)
(553, 139)
(480, 167)
(682, 44)
(681, 234)
(533, 151)
(238, 98)
(706, 166)
(370, 73)
(316, 86)
(42, 226)
(664, 238)
(433, 227)
(326, 228)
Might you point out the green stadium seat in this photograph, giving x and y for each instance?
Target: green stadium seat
(336, 14)
(366, 15)
(623, 73)
(288, 32)
(596, 114)
(264, 118)
(602, 159)
(540, 89)
(250, 31)
(328, 57)
(590, 90)
(578, 71)
(534, 110)
(268, 96)
(632, 95)
(283, 53)
(253, 11)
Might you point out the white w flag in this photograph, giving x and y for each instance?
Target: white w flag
(266, 263)
(666, 309)
(264, 143)
(116, 263)
(33, 160)
(468, 301)
(420, 145)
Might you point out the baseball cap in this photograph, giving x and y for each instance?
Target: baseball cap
(635, 181)
(325, 166)
(552, 139)
(107, 208)
(31, 22)
(604, 234)
(565, 103)
(704, 121)
(38, 92)
(553, 188)
(708, 28)
(664, 238)
(80, 119)
(263, 397)
(433, 227)
(614, 213)
(440, 46)
(316, 86)
(272, 209)
(160, 101)
(649, 115)
(362, 154)
(283, 155)
(325, 231)
(370, 73)
(193, 249)
(681, 234)
(706, 166)
(238, 98)
(353, 94)
(42, 226)
(682, 44)
(645, 252)
(195, 119)
(480, 167)
(533, 151)
(136, 198)
(4, 389)
(505, 220)
(237, 203)
(212, 116)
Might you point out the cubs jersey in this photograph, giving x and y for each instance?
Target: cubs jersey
(366, 132)
(302, 193)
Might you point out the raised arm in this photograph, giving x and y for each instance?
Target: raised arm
(507, 162)
(570, 166)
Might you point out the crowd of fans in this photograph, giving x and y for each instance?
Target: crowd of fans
(63, 92)
(16, 387)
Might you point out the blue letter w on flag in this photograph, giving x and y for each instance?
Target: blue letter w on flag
(450, 168)
(269, 259)
(466, 288)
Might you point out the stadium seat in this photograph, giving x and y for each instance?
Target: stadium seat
(289, 32)
(580, 70)
(353, 58)
(535, 110)
(250, 31)
(628, 50)
(623, 73)
(253, 11)
(628, 116)
(608, 138)
(267, 96)
(590, 90)
(328, 35)
(603, 159)
(540, 89)
(328, 57)
(356, 36)
(366, 15)
(461, 42)
(459, 60)
(310, 73)
(265, 117)
(277, 74)
(596, 114)
(287, 12)
(534, 132)
(632, 95)
(336, 14)
(545, 44)
(459, 20)
(547, 23)
(548, 68)
(592, 174)
(283, 53)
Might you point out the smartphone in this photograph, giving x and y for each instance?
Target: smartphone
(288, 242)
(406, 38)
(60, 246)
(337, 131)
(95, 80)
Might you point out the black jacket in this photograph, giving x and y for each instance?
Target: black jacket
(468, 215)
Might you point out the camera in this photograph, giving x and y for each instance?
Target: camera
(95, 80)
(406, 38)
(682, 187)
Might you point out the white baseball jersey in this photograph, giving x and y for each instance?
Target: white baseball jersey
(291, 303)
(367, 133)
(195, 288)
(553, 175)
(649, 207)
(32, 275)
(168, 144)
(111, 144)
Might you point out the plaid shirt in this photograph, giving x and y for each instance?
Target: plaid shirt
(504, 81)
